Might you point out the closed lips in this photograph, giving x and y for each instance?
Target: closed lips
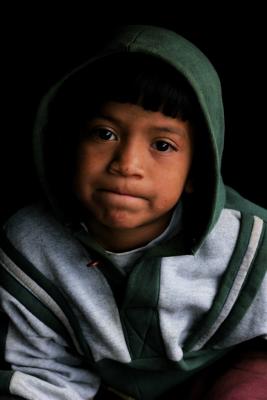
(121, 192)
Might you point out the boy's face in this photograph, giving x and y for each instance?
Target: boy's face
(132, 168)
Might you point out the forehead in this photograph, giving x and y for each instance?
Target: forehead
(131, 115)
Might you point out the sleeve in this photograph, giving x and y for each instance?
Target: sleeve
(42, 365)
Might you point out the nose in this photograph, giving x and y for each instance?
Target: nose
(128, 160)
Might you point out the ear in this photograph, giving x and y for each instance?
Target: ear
(189, 188)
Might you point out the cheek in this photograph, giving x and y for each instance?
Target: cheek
(167, 194)
(82, 175)
(87, 162)
(171, 186)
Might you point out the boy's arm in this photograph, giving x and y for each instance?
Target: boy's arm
(42, 365)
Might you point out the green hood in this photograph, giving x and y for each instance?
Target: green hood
(196, 68)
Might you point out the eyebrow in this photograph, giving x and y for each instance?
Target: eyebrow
(107, 117)
(158, 128)
(168, 129)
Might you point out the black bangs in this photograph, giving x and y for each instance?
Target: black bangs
(142, 80)
(133, 78)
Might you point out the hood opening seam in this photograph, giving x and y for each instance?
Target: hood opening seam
(132, 42)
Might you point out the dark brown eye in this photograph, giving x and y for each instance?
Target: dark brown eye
(162, 146)
(103, 134)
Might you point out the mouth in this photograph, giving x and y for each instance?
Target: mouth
(122, 193)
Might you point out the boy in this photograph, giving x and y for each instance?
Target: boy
(140, 269)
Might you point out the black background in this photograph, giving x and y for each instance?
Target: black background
(41, 43)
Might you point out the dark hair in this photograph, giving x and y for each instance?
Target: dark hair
(138, 79)
(135, 78)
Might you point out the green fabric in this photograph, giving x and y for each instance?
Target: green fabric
(5, 378)
(139, 312)
(150, 378)
(236, 202)
(3, 334)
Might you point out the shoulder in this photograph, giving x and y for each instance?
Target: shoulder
(253, 227)
(253, 224)
(35, 235)
(237, 202)
(34, 226)
(26, 217)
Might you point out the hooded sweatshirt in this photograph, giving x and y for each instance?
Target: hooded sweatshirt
(77, 320)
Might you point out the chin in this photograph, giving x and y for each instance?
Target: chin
(121, 221)
(119, 225)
